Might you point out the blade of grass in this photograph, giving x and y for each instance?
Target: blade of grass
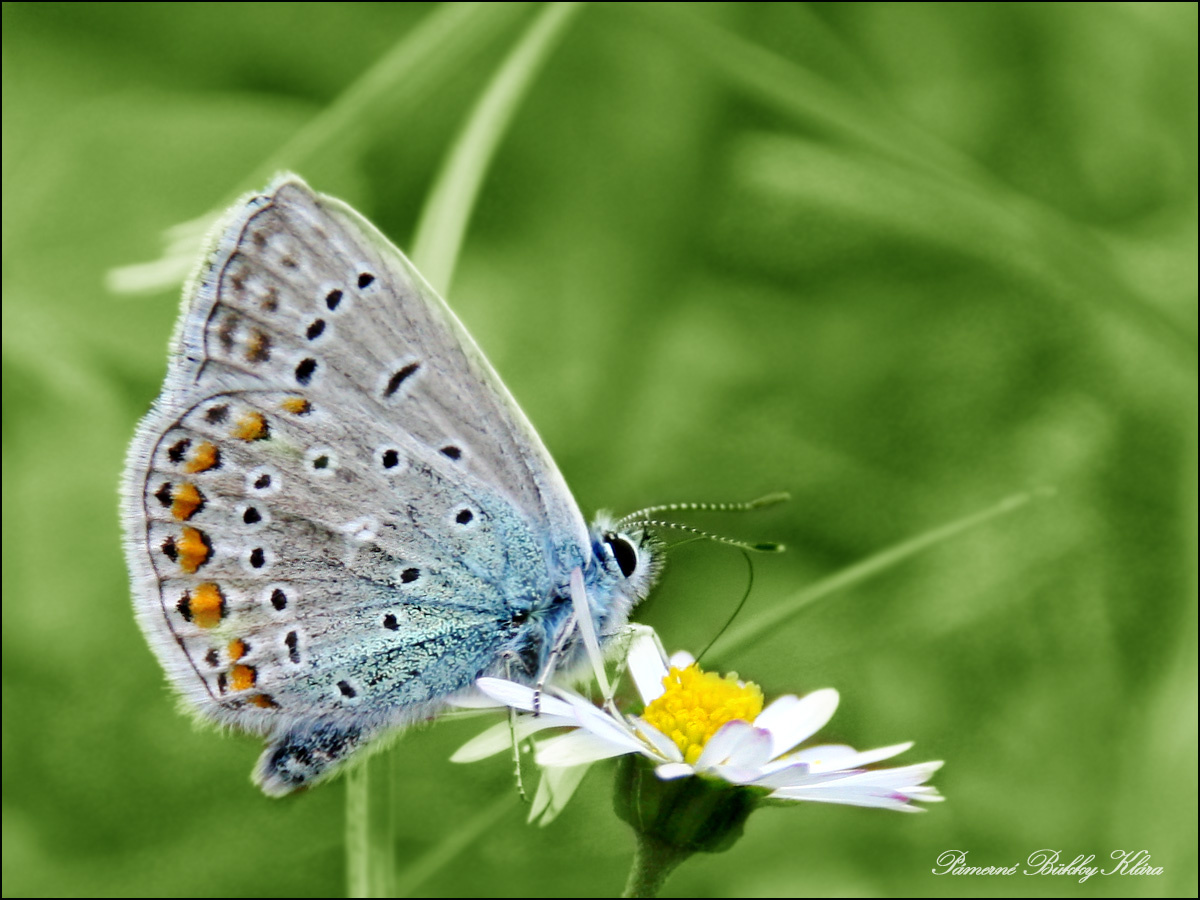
(1080, 266)
(415, 68)
(1018, 241)
(370, 829)
(794, 91)
(443, 220)
(754, 629)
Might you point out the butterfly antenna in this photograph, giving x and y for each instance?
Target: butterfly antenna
(768, 500)
(761, 547)
(737, 611)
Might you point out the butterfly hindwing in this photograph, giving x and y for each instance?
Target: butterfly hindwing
(335, 513)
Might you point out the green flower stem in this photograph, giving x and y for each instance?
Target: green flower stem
(675, 818)
(370, 829)
(653, 861)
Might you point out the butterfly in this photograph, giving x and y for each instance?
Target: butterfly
(336, 516)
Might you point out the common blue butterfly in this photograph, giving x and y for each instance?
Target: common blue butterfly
(336, 517)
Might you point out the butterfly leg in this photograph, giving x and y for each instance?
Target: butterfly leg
(512, 730)
(305, 754)
(552, 663)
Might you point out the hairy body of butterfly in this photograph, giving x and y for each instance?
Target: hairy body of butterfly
(336, 517)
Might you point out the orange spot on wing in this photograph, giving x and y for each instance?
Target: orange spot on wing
(264, 701)
(206, 456)
(193, 550)
(297, 406)
(186, 501)
(259, 349)
(204, 606)
(242, 677)
(237, 648)
(251, 427)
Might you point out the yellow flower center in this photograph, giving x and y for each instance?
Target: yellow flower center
(697, 703)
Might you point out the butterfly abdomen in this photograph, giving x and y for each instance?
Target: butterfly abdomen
(304, 754)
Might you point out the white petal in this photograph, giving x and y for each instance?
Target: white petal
(834, 757)
(777, 713)
(746, 751)
(655, 738)
(600, 723)
(903, 779)
(737, 774)
(647, 665)
(849, 797)
(717, 750)
(926, 793)
(603, 725)
(682, 659)
(838, 761)
(752, 750)
(669, 771)
(500, 736)
(553, 792)
(806, 757)
(521, 696)
(472, 698)
(792, 776)
(894, 778)
(794, 722)
(578, 747)
(508, 693)
(824, 753)
(893, 788)
(487, 743)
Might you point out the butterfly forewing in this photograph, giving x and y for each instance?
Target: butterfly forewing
(335, 503)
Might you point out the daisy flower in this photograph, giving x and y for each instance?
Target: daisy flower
(697, 724)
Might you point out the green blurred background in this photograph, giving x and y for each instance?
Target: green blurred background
(902, 260)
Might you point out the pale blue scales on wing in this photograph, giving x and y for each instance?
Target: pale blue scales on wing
(336, 517)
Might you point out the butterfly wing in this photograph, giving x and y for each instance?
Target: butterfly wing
(336, 515)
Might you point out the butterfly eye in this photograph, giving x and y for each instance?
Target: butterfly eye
(623, 551)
